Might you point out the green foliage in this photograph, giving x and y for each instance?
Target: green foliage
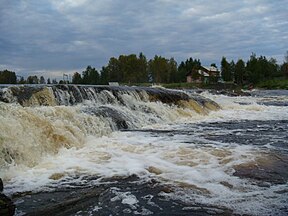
(162, 70)
(213, 65)
(260, 69)
(33, 80)
(90, 76)
(76, 78)
(226, 69)
(284, 66)
(273, 84)
(239, 72)
(133, 69)
(7, 77)
(190, 66)
(127, 68)
(42, 80)
(284, 69)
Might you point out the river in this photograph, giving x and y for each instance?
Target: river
(68, 150)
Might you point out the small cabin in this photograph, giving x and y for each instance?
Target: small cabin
(203, 75)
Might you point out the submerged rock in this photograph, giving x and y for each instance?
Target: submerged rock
(7, 207)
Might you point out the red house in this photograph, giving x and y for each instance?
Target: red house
(203, 75)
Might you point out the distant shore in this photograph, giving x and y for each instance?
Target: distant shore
(268, 84)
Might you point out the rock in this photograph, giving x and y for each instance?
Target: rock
(7, 208)
(226, 184)
(1, 185)
(57, 176)
(154, 170)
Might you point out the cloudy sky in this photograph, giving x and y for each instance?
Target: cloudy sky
(52, 37)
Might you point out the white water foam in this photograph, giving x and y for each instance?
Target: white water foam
(202, 168)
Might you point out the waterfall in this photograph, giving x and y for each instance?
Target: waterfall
(40, 120)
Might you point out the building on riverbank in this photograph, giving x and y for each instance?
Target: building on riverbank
(206, 74)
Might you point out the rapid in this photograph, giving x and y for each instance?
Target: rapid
(144, 150)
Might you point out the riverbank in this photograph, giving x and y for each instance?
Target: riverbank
(274, 84)
(227, 87)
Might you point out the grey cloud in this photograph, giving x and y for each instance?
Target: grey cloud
(67, 35)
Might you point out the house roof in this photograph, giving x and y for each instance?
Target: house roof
(203, 73)
(211, 68)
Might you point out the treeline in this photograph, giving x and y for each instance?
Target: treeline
(10, 77)
(138, 69)
(131, 69)
(255, 70)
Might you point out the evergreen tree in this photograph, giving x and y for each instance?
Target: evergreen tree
(225, 70)
(143, 69)
(213, 65)
(239, 72)
(42, 80)
(190, 66)
(90, 76)
(182, 72)
(104, 78)
(54, 81)
(7, 77)
(33, 80)
(232, 70)
(48, 81)
(284, 66)
(22, 80)
(253, 69)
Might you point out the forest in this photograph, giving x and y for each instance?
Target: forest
(132, 69)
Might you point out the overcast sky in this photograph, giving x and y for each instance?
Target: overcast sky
(52, 37)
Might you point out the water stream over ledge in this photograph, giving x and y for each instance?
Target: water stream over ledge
(100, 150)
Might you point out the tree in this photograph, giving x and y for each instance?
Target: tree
(142, 74)
(48, 81)
(7, 77)
(172, 70)
(239, 72)
(104, 77)
(90, 76)
(42, 80)
(33, 80)
(253, 70)
(259, 69)
(190, 65)
(284, 66)
(232, 70)
(129, 67)
(22, 80)
(76, 78)
(226, 70)
(114, 71)
(159, 69)
(213, 65)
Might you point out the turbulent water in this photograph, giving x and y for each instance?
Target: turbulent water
(142, 151)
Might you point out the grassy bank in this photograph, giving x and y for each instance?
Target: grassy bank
(273, 84)
(217, 86)
(268, 84)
